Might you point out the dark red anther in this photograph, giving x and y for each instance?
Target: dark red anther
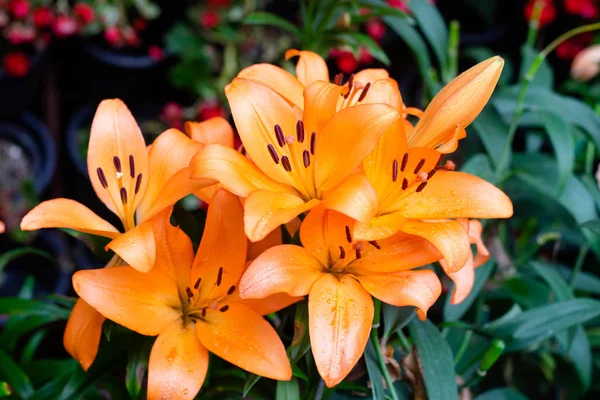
(404, 162)
(306, 158)
(286, 163)
(197, 284)
(300, 131)
(404, 184)
(395, 170)
(337, 80)
(313, 142)
(123, 195)
(224, 308)
(189, 293)
(138, 183)
(342, 253)
(231, 289)
(131, 167)
(117, 163)
(102, 178)
(431, 173)
(273, 153)
(419, 165)
(375, 244)
(358, 254)
(204, 312)
(421, 187)
(363, 94)
(279, 136)
(350, 85)
(348, 234)
(219, 276)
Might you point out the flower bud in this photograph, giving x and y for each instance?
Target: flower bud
(586, 64)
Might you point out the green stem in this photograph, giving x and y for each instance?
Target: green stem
(453, 41)
(533, 69)
(375, 341)
(463, 347)
(578, 265)
(403, 340)
(534, 23)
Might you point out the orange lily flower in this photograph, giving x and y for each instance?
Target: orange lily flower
(134, 182)
(339, 275)
(295, 148)
(418, 198)
(192, 310)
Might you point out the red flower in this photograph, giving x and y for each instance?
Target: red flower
(16, 64)
(365, 56)
(43, 17)
(219, 3)
(112, 35)
(585, 8)
(84, 12)
(209, 109)
(568, 49)
(346, 62)
(64, 26)
(399, 4)
(130, 36)
(171, 112)
(19, 8)
(376, 29)
(210, 19)
(156, 53)
(548, 12)
(140, 24)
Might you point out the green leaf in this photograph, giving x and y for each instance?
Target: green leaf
(361, 40)
(301, 341)
(593, 225)
(93, 242)
(5, 389)
(492, 130)
(436, 360)
(556, 282)
(434, 28)
(15, 306)
(32, 345)
(479, 165)
(528, 292)
(265, 18)
(562, 142)
(14, 375)
(501, 394)
(11, 255)
(580, 354)
(395, 318)
(544, 76)
(249, 384)
(375, 375)
(454, 312)
(288, 390)
(137, 365)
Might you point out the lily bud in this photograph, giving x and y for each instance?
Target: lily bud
(343, 21)
(586, 64)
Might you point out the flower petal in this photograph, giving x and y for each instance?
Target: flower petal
(483, 254)
(340, 314)
(282, 269)
(178, 363)
(354, 197)
(449, 237)
(83, 332)
(463, 280)
(420, 288)
(273, 239)
(136, 247)
(379, 227)
(353, 132)
(272, 303)
(320, 101)
(215, 130)
(115, 133)
(451, 194)
(310, 68)
(66, 213)
(235, 172)
(244, 338)
(276, 79)
(221, 257)
(265, 210)
(143, 302)
(371, 75)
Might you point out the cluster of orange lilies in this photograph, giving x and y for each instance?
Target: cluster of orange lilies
(339, 161)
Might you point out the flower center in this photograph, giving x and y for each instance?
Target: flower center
(196, 307)
(357, 91)
(351, 251)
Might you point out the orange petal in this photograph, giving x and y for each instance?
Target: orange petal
(353, 132)
(83, 332)
(320, 101)
(379, 227)
(276, 79)
(272, 303)
(457, 104)
(282, 269)
(449, 237)
(483, 253)
(244, 338)
(221, 257)
(143, 302)
(255, 249)
(136, 247)
(463, 281)
(355, 197)
(65, 213)
(371, 75)
(178, 363)
(451, 194)
(235, 172)
(310, 68)
(340, 314)
(265, 210)
(420, 288)
(383, 91)
(215, 130)
(115, 133)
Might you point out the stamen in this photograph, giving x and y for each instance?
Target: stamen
(419, 165)
(306, 158)
(337, 80)
(342, 253)
(286, 163)
(102, 178)
(375, 244)
(348, 234)
(197, 284)
(421, 187)
(395, 170)
(404, 184)
(117, 163)
(279, 136)
(123, 195)
(224, 308)
(350, 85)
(219, 276)
(189, 293)
(313, 142)
(300, 131)
(422, 177)
(358, 254)
(364, 92)
(404, 162)
(204, 312)
(138, 183)
(231, 289)
(131, 167)
(449, 165)
(431, 173)
(273, 153)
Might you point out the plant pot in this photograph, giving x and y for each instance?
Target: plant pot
(21, 93)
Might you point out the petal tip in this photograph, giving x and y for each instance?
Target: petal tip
(291, 53)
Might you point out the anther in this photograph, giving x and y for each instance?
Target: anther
(123, 195)
(204, 312)
(197, 284)
(375, 244)
(358, 254)
(224, 308)
(102, 178)
(138, 183)
(131, 167)
(117, 163)
(404, 162)
(286, 163)
(337, 80)
(421, 187)
(342, 253)
(306, 158)
(449, 165)
(395, 170)
(313, 142)
(422, 177)
(273, 153)
(219, 276)
(431, 173)
(350, 85)
(419, 165)
(189, 293)
(348, 234)
(363, 94)
(404, 184)
(231, 289)
(300, 131)
(279, 136)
